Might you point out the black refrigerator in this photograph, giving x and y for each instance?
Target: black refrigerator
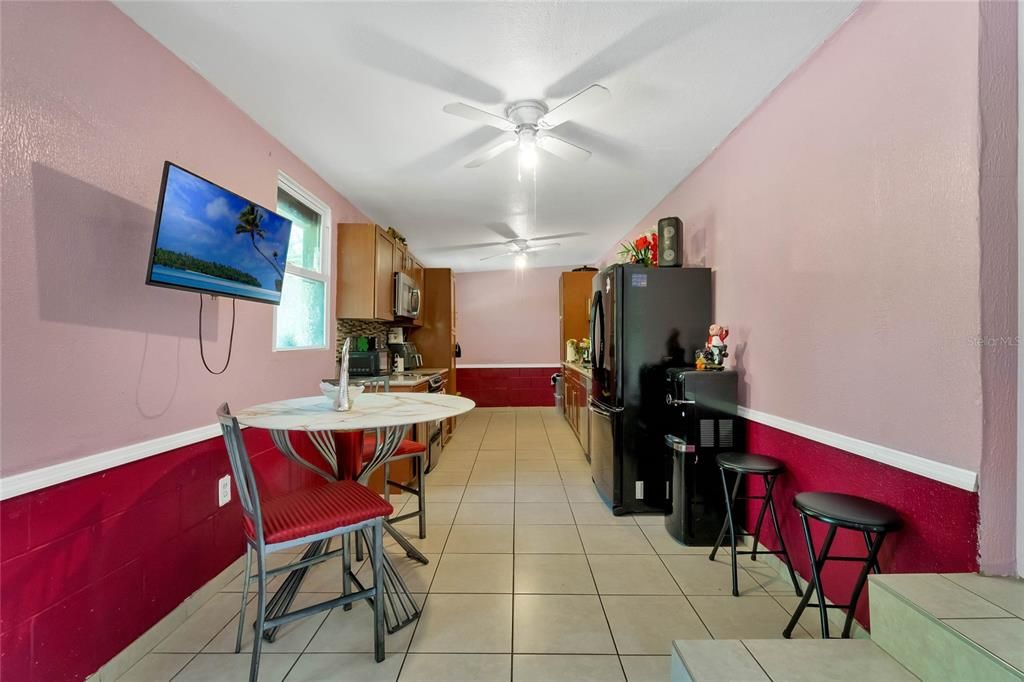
(642, 321)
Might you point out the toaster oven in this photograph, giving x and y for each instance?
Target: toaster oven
(369, 363)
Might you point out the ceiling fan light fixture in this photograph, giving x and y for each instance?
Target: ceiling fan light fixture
(520, 260)
(528, 149)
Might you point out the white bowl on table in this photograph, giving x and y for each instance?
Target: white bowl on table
(330, 391)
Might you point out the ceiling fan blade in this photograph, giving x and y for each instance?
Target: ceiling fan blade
(504, 230)
(564, 235)
(505, 144)
(541, 247)
(479, 116)
(585, 99)
(464, 247)
(499, 255)
(562, 149)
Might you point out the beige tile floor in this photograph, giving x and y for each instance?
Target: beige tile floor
(530, 578)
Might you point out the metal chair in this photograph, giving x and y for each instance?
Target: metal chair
(407, 449)
(313, 515)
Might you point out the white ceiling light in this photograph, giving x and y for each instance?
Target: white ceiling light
(521, 260)
(528, 149)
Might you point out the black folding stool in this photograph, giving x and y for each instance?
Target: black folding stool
(871, 518)
(768, 469)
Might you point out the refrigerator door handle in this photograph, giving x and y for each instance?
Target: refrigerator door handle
(603, 410)
(596, 351)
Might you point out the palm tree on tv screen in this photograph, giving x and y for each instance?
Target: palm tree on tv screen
(250, 222)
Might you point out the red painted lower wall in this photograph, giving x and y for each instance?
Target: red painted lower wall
(940, 533)
(89, 565)
(508, 386)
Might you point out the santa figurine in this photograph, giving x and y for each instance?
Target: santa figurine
(715, 349)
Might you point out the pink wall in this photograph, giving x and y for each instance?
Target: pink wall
(93, 359)
(997, 86)
(940, 522)
(508, 317)
(841, 219)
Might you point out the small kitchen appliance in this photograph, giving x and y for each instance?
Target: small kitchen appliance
(407, 296)
(699, 422)
(370, 363)
(410, 356)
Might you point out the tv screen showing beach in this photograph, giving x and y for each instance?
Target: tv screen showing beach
(213, 241)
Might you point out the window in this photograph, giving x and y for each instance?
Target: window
(300, 322)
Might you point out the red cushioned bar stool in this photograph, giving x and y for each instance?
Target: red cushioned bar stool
(407, 449)
(872, 519)
(299, 518)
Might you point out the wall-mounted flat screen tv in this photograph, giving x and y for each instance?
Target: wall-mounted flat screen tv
(211, 240)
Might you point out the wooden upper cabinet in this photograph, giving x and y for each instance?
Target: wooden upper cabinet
(574, 295)
(384, 276)
(417, 274)
(366, 257)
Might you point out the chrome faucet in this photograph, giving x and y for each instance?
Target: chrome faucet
(341, 400)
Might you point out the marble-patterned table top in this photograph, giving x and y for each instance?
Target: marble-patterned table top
(369, 411)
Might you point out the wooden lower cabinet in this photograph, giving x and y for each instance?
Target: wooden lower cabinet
(577, 397)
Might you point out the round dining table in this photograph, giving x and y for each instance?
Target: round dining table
(338, 440)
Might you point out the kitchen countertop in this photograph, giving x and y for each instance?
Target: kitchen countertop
(577, 367)
(410, 379)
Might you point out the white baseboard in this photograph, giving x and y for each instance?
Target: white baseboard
(937, 471)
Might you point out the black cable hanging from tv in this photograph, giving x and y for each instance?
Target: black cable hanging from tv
(231, 338)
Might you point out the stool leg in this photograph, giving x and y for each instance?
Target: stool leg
(769, 481)
(732, 527)
(261, 614)
(870, 562)
(378, 590)
(867, 544)
(421, 492)
(346, 567)
(728, 515)
(245, 596)
(815, 585)
(359, 544)
(782, 543)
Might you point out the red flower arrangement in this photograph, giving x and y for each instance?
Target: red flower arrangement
(641, 251)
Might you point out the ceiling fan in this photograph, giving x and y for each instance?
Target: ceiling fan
(514, 244)
(527, 122)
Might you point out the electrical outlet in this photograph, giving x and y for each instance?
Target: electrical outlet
(224, 490)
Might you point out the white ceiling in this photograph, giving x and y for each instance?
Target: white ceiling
(355, 89)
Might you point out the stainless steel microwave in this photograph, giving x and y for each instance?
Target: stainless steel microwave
(407, 296)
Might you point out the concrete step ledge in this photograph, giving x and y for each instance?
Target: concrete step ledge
(775, 660)
(941, 630)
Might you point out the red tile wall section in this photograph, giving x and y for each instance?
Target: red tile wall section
(940, 532)
(508, 386)
(89, 565)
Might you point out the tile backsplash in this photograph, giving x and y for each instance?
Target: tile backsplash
(348, 328)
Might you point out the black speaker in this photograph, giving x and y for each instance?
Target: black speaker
(670, 234)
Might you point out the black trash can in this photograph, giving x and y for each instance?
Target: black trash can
(698, 503)
(558, 383)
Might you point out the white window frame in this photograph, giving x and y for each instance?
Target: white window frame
(309, 199)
